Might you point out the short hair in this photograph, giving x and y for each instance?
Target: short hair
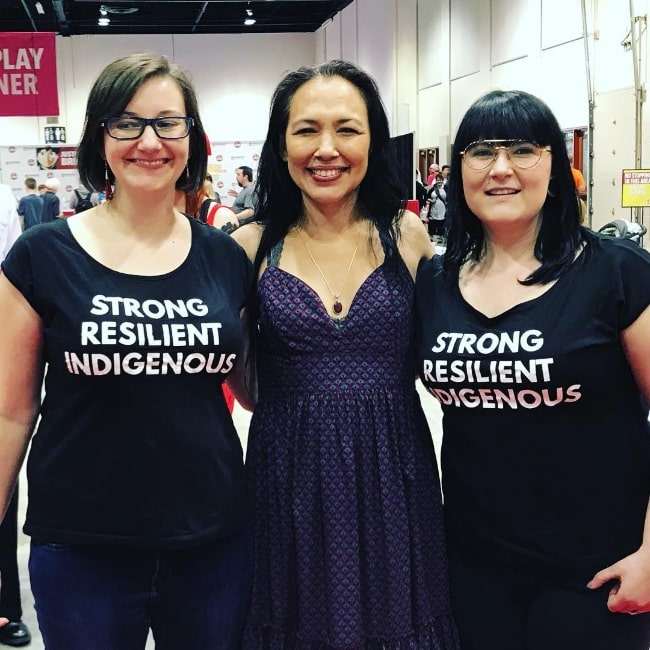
(511, 115)
(30, 183)
(380, 194)
(53, 184)
(246, 171)
(112, 91)
(442, 169)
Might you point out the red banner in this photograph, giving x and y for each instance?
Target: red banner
(28, 84)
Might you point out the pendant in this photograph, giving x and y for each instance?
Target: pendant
(338, 307)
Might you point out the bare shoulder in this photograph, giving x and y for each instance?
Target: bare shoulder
(248, 237)
(414, 243)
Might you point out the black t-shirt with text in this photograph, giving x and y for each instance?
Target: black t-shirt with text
(546, 442)
(135, 444)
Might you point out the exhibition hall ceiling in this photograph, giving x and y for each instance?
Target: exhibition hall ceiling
(76, 17)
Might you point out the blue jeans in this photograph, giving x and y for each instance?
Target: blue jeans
(89, 598)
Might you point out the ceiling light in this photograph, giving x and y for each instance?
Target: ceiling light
(249, 20)
(103, 11)
(39, 8)
(103, 22)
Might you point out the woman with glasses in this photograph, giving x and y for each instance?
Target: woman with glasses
(130, 310)
(534, 335)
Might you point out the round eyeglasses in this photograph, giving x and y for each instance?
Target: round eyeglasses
(131, 128)
(521, 153)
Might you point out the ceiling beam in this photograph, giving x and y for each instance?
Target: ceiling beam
(29, 15)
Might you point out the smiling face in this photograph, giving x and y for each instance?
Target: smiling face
(327, 141)
(149, 163)
(505, 193)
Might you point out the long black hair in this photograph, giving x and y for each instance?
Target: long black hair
(511, 115)
(109, 96)
(279, 200)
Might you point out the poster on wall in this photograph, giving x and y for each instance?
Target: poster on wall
(635, 188)
(43, 162)
(56, 157)
(28, 81)
(18, 163)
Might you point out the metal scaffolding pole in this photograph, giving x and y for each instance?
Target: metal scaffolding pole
(637, 31)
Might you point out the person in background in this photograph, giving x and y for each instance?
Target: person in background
(349, 544)
(434, 170)
(437, 200)
(13, 631)
(51, 202)
(581, 188)
(137, 499)
(83, 199)
(208, 189)
(30, 206)
(444, 170)
(206, 210)
(533, 332)
(420, 190)
(244, 204)
(578, 178)
(9, 220)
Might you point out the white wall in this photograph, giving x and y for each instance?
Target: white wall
(234, 74)
(431, 59)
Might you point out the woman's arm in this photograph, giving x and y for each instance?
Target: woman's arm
(414, 243)
(21, 376)
(631, 593)
(242, 380)
(248, 237)
(636, 345)
(222, 218)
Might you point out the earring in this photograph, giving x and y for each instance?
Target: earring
(108, 188)
(187, 171)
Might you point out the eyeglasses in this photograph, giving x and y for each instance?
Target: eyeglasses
(521, 153)
(131, 128)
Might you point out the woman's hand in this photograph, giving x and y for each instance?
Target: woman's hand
(631, 593)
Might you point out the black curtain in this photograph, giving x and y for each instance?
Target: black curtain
(402, 146)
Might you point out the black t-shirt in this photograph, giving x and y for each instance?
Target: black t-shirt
(546, 442)
(51, 207)
(135, 445)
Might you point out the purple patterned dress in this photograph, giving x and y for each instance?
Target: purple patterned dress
(349, 546)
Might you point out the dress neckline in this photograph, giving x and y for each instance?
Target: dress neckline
(316, 295)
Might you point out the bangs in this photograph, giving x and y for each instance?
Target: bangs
(497, 117)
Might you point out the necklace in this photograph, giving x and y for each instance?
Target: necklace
(337, 306)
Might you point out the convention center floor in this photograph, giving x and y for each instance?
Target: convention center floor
(242, 419)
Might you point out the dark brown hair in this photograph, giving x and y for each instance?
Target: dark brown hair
(109, 96)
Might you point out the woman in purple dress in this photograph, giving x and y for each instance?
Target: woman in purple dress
(349, 544)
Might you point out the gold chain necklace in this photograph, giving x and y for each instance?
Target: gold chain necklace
(337, 307)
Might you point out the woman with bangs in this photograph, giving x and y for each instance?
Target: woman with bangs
(546, 448)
